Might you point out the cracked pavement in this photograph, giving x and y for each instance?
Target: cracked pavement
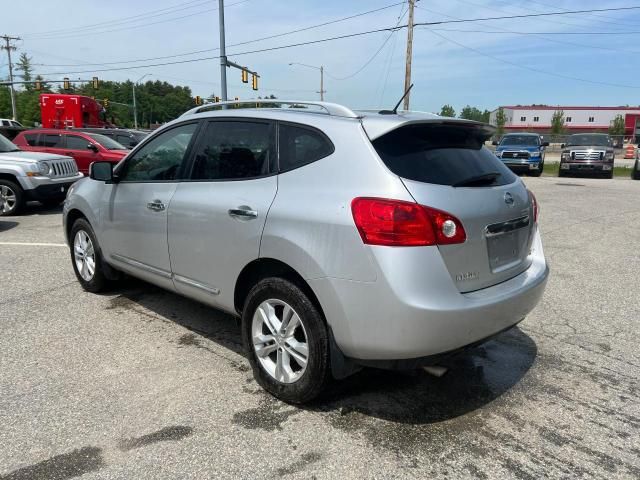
(142, 383)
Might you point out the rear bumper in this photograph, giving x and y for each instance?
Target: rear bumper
(422, 314)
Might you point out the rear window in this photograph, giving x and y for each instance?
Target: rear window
(441, 154)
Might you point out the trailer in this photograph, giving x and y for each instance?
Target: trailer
(71, 111)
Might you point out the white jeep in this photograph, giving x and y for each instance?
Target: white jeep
(28, 176)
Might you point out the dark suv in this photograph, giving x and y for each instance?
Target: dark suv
(587, 153)
(126, 137)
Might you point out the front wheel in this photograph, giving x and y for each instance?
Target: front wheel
(86, 257)
(13, 197)
(286, 339)
(538, 172)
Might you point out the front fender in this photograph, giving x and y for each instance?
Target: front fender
(18, 173)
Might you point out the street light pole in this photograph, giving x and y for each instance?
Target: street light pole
(223, 52)
(135, 105)
(321, 68)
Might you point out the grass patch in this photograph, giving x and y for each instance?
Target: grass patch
(551, 170)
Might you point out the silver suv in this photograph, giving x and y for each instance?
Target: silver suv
(343, 239)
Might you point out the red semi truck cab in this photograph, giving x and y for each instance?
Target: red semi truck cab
(71, 111)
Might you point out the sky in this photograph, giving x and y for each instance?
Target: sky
(578, 59)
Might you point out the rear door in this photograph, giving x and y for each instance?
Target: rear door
(216, 218)
(51, 143)
(448, 168)
(77, 146)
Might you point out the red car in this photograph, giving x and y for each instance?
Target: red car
(85, 148)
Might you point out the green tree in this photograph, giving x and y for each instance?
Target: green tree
(472, 113)
(501, 120)
(24, 65)
(617, 126)
(447, 111)
(557, 123)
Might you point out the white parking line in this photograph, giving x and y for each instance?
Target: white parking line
(35, 244)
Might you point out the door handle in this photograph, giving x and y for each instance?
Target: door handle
(243, 213)
(156, 206)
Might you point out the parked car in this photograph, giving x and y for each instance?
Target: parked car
(85, 148)
(10, 128)
(6, 122)
(126, 137)
(342, 240)
(587, 153)
(522, 152)
(32, 176)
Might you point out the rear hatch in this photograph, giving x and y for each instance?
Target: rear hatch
(445, 165)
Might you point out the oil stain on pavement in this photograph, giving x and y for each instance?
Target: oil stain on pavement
(166, 434)
(61, 467)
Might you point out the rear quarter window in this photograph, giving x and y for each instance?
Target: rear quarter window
(300, 146)
(31, 139)
(440, 154)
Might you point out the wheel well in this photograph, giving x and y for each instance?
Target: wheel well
(72, 216)
(264, 268)
(10, 177)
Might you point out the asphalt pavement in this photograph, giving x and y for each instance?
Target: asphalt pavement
(144, 384)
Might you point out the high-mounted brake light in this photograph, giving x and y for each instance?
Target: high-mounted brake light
(404, 224)
(536, 206)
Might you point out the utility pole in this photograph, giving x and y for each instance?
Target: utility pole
(321, 83)
(8, 47)
(407, 73)
(223, 52)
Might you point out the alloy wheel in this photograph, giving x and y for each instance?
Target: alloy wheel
(84, 255)
(280, 340)
(9, 197)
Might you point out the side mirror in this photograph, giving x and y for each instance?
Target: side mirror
(495, 142)
(563, 145)
(545, 144)
(101, 171)
(91, 146)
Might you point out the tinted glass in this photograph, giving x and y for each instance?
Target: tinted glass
(31, 138)
(161, 158)
(106, 142)
(300, 146)
(5, 123)
(524, 140)
(75, 142)
(441, 154)
(587, 140)
(233, 150)
(123, 140)
(51, 141)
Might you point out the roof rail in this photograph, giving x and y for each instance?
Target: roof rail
(333, 109)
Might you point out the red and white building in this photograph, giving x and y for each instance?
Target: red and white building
(537, 118)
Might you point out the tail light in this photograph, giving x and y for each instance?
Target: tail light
(536, 207)
(406, 224)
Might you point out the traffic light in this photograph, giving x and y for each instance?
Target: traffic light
(38, 85)
(217, 99)
(254, 82)
(236, 98)
(65, 83)
(105, 102)
(198, 100)
(94, 82)
(245, 76)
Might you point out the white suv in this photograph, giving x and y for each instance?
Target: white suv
(342, 239)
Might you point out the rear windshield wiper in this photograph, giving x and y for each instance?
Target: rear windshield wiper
(478, 180)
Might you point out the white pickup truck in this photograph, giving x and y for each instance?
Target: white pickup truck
(28, 176)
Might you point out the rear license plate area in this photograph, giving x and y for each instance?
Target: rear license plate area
(507, 243)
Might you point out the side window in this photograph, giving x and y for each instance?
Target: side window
(5, 123)
(31, 139)
(50, 140)
(161, 158)
(76, 142)
(124, 140)
(233, 150)
(300, 146)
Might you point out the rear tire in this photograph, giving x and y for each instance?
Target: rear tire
(286, 340)
(14, 200)
(86, 258)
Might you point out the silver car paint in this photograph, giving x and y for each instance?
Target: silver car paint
(381, 302)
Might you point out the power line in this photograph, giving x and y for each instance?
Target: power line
(532, 69)
(339, 37)
(101, 32)
(291, 32)
(128, 19)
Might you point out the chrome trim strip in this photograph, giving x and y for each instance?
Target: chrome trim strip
(193, 283)
(506, 227)
(141, 266)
